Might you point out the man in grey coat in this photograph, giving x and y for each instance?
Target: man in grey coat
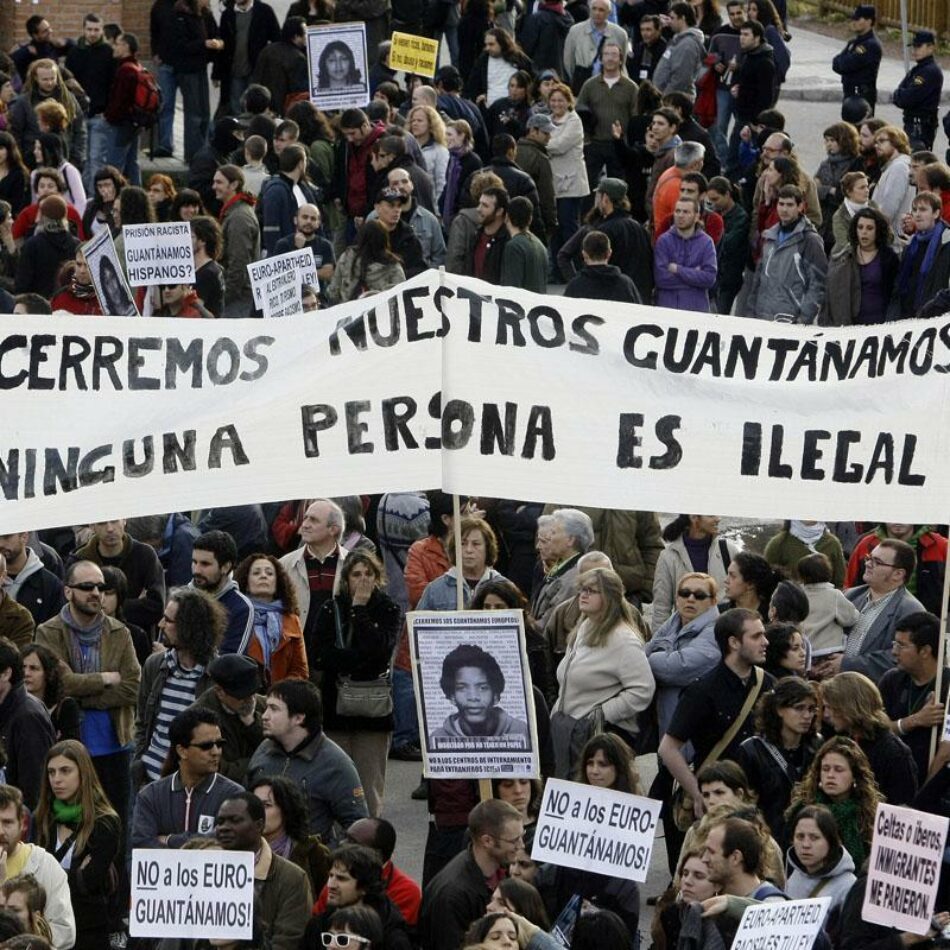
(681, 62)
(883, 601)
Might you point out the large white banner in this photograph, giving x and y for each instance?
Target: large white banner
(450, 382)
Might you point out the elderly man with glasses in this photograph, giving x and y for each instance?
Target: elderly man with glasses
(883, 601)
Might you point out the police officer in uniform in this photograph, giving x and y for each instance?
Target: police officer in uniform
(919, 93)
(858, 63)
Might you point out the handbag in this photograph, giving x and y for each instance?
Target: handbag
(681, 801)
(569, 734)
(369, 699)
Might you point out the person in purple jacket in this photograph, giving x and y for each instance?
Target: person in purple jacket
(684, 261)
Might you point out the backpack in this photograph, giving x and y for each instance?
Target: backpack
(146, 100)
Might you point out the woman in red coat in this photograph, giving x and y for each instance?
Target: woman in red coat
(278, 640)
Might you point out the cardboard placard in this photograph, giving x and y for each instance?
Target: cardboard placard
(781, 925)
(159, 253)
(414, 54)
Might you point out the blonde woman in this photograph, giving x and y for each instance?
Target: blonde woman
(605, 667)
(428, 129)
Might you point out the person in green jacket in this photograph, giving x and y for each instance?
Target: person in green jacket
(798, 539)
(524, 262)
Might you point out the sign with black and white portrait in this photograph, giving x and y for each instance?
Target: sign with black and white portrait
(473, 692)
(108, 278)
(339, 72)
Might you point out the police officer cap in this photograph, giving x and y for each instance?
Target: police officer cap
(239, 676)
(922, 38)
(854, 109)
(864, 11)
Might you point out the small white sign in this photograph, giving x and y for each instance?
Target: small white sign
(904, 868)
(781, 925)
(160, 253)
(192, 894)
(596, 829)
(276, 282)
(339, 66)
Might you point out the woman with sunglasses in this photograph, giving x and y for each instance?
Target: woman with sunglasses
(353, 928)
(786, 740)
(76, 823)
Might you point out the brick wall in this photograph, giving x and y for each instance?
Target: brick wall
(65, 17)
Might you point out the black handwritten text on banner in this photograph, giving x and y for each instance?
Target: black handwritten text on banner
(477, 389)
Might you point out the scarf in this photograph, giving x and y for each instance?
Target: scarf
(268, 623)
(853, 207)
(84, 644)
(933, 244)
(808, 534)
(66, 813)
(846, 815)
(240, 196)
(81, 291)
(282, 846)
(453, 177)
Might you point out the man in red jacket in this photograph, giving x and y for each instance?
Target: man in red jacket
(123, 136)
(353, 197)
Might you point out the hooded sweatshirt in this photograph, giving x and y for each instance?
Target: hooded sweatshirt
(833, 880)
(680, 64)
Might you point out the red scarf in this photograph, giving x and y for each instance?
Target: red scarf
(240, 196)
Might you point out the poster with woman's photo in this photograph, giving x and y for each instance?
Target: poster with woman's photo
(112, 289)
(473, 693)
(339, 73)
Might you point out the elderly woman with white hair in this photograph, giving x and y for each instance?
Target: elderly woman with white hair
(563, 536)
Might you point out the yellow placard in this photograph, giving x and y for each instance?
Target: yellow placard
(414, 54)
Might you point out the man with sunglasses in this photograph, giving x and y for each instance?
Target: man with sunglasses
(103, 676)
(183, 805)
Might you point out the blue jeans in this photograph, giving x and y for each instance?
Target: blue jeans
(196, 98)
(719, 130)
(168, 83)
(406, 720)
(97, 151)
(123, 151)
(238, 86)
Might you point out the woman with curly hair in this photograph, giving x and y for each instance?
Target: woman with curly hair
(786, 740)
(43, 678)
(354, 638)
(278, 638)
(785, 655)
(855, 709)
(76, 823)
(840, 777)
(286, 828)
(750, 583)
(428, 129)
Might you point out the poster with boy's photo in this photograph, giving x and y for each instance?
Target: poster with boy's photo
(108, 279)
(339, 73)
(473, 693)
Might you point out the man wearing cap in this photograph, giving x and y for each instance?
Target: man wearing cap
(422, 222)
(532, 157)
(858, 63)
(918, 95)
(239, 707)
(632, 251)
(403, 242)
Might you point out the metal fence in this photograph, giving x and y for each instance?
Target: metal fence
(921, 14)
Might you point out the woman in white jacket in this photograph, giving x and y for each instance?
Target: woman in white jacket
(693, 544)
(605, 665)
(428, 130)
(566, 151)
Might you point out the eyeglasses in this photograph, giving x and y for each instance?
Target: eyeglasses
(329, 939)
(588, 590)
(695, 594)
(209, 745)
(88, 586)
(877, 562)
(901, 645)
(517, 840)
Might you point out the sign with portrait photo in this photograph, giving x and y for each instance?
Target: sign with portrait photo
(108, 278)
(339, 71)
(473, 693)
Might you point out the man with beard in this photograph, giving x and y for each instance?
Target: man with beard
(484, 260)
(307, 234)
(28, 582)
(212, 561)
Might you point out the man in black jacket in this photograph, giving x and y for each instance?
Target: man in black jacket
(632, 252)
(28, 582)
(518, 183)
(753, 86)
(484, 260)
(402, 240)
(247, 26)
(598, 280)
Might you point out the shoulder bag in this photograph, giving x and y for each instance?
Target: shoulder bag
(682, 801)
(569, 734)
(371, 699)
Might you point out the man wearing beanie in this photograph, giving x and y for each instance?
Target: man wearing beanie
(45, 252)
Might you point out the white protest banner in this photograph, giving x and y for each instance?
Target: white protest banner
(473, 693)
(781, 925)
(112, 289)
(159, 253)
(339, 69)
(448, 382)
(275, 277)
(192, 894)
(904, 868)
(596, 829)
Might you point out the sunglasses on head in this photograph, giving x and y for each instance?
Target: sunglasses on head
(695, 594)
(87, 586)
